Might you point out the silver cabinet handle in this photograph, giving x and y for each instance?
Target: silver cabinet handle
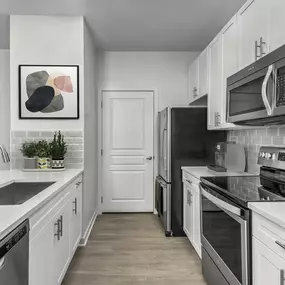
(218, 118)
(149, 158)
(281, 277)
(280, 244)
(57, 234)
(190, 198)
(261, 44)
(61, 225)
(256, 51)
(78, 184)
(75, 206)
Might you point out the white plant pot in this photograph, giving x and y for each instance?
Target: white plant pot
(43, 163)
(30, 163)
(57, 163)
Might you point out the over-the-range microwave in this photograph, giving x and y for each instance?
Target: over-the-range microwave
(256, 94)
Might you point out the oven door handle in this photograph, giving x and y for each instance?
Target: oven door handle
(220, 203)
(264, 91)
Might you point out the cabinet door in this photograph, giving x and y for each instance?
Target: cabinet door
(214, 95)
(203, 73)
(193, 80)
(187, 212)
(76, 219)
(230, 64)
(41, 257)
(196, 220)
(61, 242)
(253, 20)
(276, 23)
(268, 267)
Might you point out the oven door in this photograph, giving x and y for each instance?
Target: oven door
(163, 203)
(252, 97)
(225, 235)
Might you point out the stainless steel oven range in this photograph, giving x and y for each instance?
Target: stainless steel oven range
(226, 218)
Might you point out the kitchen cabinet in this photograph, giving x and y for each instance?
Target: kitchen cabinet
(203, 73)
(76, 218)
(54, 236)
(253, 20)
(61, 256)
(198, 77)
(276, 24)
(191, 211)
(193, 80)
(215, 100)
(268, 266)
(41, 247)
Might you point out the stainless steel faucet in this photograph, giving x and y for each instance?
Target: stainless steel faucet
(5, 155)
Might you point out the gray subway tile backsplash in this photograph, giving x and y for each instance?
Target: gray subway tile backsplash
(254, 139)
(73, 138)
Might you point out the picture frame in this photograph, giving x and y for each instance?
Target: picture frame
(49, 92)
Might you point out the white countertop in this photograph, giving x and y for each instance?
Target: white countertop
(204, 171)
(273, 211)
(11, 216)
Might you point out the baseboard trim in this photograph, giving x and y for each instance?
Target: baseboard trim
(85, 237)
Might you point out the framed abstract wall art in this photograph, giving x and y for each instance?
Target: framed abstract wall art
(49, 92)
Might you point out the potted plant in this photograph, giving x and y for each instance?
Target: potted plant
(58, 148)
(29, 152)
(43, 154)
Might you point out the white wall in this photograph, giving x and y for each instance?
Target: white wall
(45, 40)
(4, 32)
(4, 102)
(167, 71)
(90, 193)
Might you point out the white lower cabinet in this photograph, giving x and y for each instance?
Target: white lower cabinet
(76, 219)
(191, 215)
(268, 266)
(53, 246)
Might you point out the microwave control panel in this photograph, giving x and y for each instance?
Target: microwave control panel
(280, 100)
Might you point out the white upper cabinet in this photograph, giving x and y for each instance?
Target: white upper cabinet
(203, 73)
(230, 64)
(193, 80)
(276, 24)
(253, 26)
(215, 95)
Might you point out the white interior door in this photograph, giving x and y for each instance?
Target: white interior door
(128, 151)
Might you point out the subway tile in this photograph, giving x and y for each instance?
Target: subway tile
(47, 134)
(281, 131)
(272, 132)
(278, 141)
(33, 134)
(233, 139)
(257, 141)
(237, 133)
(74, 134)
(78, 140)
(19, 134)
(252, 133)
(74, 160)
(261, 132)
(267, 140)
(77, 154)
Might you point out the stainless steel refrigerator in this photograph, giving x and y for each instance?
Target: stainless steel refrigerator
(183, 141)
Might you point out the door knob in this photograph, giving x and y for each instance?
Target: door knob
(149, 158)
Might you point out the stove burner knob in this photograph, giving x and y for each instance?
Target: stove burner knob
(268, 199)
(267, 155)
(273, 156)
(263, 154)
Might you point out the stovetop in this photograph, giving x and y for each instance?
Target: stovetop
(245, 189)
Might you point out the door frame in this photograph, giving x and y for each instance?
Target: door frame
(100, 134)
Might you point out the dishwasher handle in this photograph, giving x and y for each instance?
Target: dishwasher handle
(12, 239)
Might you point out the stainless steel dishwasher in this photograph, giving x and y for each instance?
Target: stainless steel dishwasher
(14, 256)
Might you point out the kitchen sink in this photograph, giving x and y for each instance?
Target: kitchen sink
(19, 192)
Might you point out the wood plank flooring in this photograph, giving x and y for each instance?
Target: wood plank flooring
(131, 249)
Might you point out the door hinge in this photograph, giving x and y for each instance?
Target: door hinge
(102, 104)
(102, 200)
(102, 152)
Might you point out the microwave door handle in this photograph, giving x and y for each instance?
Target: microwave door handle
(264, 91)
(220, 203)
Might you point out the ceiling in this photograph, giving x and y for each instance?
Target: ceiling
(174, 25)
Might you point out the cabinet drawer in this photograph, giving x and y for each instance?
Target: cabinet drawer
(269, 233)
(190, 179)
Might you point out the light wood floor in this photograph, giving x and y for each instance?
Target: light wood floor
(130, 249)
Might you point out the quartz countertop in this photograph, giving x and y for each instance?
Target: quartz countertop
(204, 171)
(12, 216)
(273, 211)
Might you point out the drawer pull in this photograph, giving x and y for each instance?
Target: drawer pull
(280, 244)
(282, 277)
(190, 182)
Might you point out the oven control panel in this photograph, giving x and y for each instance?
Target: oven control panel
(272, 157)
